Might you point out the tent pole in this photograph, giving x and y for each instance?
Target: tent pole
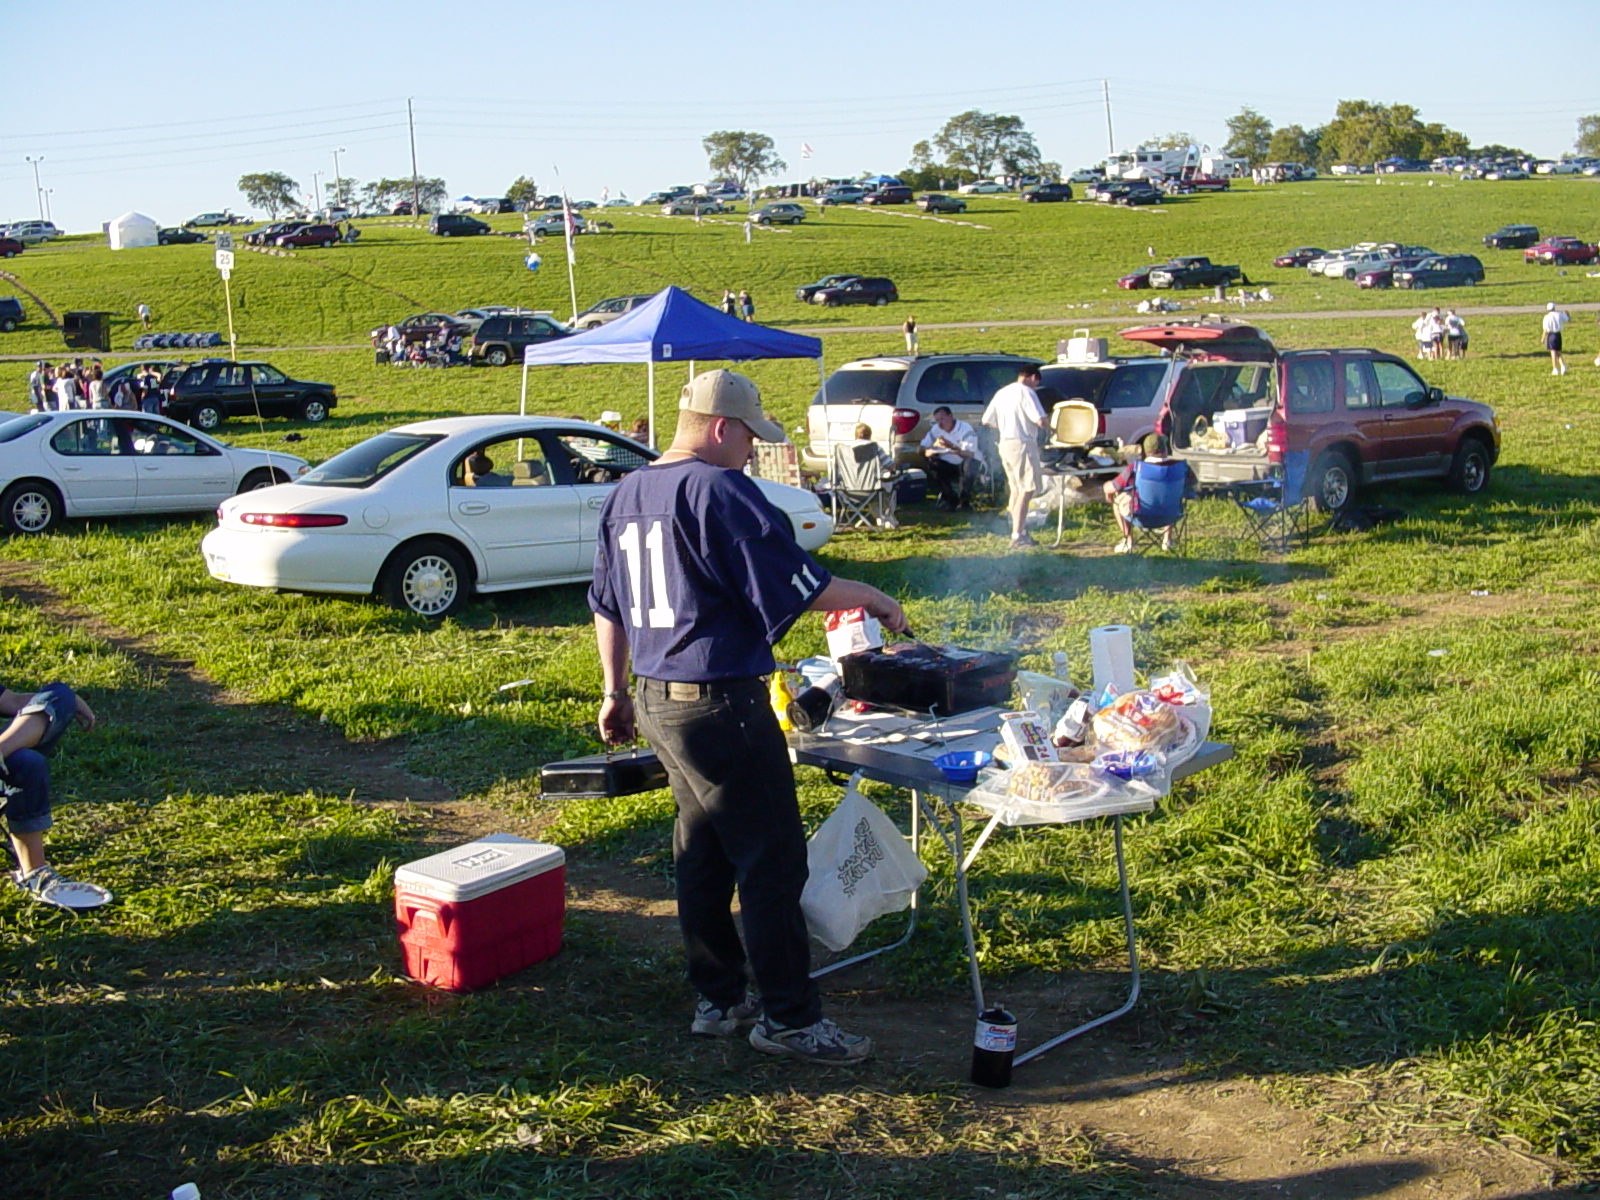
(522, 407)
(650, 374)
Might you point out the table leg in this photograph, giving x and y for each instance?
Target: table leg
(1133, 961)
(966, 910)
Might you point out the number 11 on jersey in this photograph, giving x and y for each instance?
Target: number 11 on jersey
(636, 559)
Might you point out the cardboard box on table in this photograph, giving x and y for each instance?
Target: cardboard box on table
(471, 915)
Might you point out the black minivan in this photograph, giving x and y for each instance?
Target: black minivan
(455, 225)
(1442, 270)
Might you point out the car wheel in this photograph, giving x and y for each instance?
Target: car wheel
(428, 578)
(30, 507)
(497, 356)
(205, 417)
(444, 233)
(1331, 482)
(9, 324)
(13, 253)
(314, 409)
(262, 477)
(1469, 472)
(879, 301)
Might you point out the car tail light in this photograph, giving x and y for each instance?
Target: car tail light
(294, 520)
(904, 420)
(1277, 438)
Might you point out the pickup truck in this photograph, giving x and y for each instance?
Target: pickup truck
(1237, 408)
(1194, 270)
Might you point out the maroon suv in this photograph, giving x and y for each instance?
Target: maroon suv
(1360, 417)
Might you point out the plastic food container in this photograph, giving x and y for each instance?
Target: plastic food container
(962, 766)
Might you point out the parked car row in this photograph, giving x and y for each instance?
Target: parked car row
(29, 233)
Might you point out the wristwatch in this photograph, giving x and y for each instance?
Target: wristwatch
(619, 694)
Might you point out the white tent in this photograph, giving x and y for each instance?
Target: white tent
(132, 229)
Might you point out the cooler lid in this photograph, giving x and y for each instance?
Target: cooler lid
(466, 872)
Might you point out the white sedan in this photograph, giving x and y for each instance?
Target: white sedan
(983, 187)
(103, 463)
(428, 513)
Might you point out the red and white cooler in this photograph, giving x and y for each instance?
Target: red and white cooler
(468, 916)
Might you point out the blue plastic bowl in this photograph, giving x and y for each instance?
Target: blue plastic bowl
(962, 766)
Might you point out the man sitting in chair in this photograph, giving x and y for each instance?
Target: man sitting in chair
(865, 472)
(1123, 492)
(951, 450)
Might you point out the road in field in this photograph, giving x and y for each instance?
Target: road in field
(1072, 319)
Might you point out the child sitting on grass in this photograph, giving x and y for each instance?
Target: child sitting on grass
(37, 723)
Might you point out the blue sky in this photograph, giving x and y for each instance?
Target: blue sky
(163, 113)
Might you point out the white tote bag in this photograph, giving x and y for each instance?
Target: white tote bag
(861, 868)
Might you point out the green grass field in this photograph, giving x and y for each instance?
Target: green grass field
(1381, 909)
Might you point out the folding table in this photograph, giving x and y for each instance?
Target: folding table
(900, 752)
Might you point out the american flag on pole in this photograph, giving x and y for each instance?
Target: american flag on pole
(805, 149)
(566, 225)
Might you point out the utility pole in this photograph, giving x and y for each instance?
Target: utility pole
(1111, 142)
(316, 189)
(416, 191)
(338, 192)
(48, 192)
(38, 188)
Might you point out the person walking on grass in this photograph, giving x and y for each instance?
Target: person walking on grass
(696, 575)
(747, 306)
(910, 330)
(38, 720)
(1555, 320)
(1016, 415)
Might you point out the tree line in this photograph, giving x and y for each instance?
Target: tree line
(279, 193)
(1364, 132)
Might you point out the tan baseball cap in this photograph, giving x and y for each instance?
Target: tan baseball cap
(729, 394)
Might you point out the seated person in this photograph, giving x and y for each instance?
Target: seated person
(1122, 492)
(480, 472)
(863, 433)
(951, 449)
(37, 721)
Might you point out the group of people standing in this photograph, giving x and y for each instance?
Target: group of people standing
(1440, 335)
(79, 385)
(739, 305)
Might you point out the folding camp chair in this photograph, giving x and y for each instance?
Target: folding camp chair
(1278, 514)
(861, 491)
(1162, 520)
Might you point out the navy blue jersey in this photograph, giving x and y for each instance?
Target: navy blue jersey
(701, 572)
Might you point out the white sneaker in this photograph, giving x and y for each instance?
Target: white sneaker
(823, 1042)
(1125, 546)
(1554, 371)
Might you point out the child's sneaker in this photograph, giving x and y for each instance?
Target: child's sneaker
(712, 1021)
(45, 886)
(823, 1042)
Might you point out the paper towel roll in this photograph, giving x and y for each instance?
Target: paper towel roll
(1111, 652)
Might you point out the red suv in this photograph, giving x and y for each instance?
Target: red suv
(1238, 405)
(311, 235)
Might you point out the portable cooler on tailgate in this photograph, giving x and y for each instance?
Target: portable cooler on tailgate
(468, 916)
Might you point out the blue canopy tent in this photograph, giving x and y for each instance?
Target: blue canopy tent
(671, 327)
(880, 180)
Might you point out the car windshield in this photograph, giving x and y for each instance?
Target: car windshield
(364, 464)
(14, 427)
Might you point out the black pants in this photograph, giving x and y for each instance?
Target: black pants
(738, 826)
(952, 480)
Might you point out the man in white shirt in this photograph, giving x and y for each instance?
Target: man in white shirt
(66, 389)
(1016, 415)
(1555, 321)
(951, 449)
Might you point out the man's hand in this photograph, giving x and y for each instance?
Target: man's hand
(84, 716)
(616, 720)
(887, 609)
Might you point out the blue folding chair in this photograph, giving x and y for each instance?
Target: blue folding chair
(1278, 515)
(1162, 520)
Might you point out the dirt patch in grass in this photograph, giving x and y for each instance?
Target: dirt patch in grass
(1125, 1086)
